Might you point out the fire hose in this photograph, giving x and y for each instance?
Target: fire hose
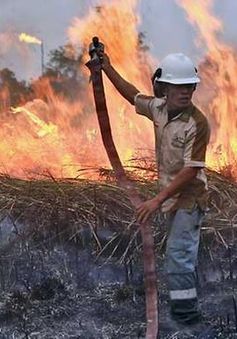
(150, 281)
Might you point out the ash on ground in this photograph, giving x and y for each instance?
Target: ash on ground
(71, 262)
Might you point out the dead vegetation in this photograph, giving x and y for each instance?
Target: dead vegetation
(47, 215)
(69, 205)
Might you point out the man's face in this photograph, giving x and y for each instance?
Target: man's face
(179, 96)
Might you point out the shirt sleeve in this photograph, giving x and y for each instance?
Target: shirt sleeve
(196, 143)
(144, 104)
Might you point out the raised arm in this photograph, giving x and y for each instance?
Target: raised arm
(127, 90)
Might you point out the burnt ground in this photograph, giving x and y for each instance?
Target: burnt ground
(57, 288)
(71, 262)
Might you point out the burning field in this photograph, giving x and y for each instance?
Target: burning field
(70, 248)
(49, 131)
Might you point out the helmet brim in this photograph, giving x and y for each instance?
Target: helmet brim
(184, 81)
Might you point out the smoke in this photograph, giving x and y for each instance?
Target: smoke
(7, 40)
(49, 22)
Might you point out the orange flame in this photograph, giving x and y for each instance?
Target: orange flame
(23, 37)
(44, 128)
(219, 88)
(53, 133)
(130, 131)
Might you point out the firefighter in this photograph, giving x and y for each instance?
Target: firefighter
(181, 135)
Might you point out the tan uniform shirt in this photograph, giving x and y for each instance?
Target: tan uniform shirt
(181, 142)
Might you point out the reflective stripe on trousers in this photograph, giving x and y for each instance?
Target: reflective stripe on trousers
(181, 257)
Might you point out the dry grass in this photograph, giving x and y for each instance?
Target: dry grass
(69, 205)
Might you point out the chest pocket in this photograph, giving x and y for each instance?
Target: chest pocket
(178, 141)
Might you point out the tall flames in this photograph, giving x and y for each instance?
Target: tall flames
(218, 92)
(59, 136)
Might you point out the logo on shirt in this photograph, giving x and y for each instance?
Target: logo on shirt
(178, 141)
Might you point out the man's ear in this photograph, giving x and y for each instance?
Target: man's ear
(158, 89)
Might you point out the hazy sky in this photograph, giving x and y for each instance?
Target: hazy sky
(163, 21)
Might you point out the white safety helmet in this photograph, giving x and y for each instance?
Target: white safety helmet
(176, 69)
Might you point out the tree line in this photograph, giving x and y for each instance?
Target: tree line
(63, 70)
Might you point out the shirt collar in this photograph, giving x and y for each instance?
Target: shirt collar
(185, 115)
